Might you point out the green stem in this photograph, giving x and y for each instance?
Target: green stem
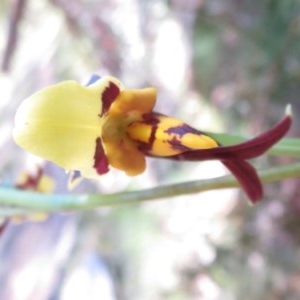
(10, 212)
(68, 202)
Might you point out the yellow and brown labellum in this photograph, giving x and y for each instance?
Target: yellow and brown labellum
(160, 135)
(121, 151)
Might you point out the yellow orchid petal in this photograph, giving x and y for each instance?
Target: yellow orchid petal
(126, 157)
(61, 123)
(129, 101)
(121, 152)
(164, 136)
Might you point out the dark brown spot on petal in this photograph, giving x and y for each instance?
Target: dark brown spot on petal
(177, 145)
(151, 118)
(182, 130)
(100, 159)
(108, 96)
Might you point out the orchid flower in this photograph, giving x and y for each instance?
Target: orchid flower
(89, 129)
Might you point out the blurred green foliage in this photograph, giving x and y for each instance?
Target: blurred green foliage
(254, 44)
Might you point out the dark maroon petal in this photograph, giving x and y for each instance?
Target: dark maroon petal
(108, 96)
(246, 150)
(233, 157)
(100, 159)
(247, 177)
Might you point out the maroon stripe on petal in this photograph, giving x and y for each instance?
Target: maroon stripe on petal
(152, 120)
(100, 159)
(247, 177)
(108, 96)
